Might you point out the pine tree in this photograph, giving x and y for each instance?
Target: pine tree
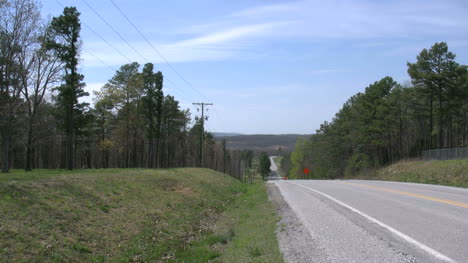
(64, 40)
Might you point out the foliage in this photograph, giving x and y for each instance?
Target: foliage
(264, 165)
(244, 233)
(64, 40)
(390, 122)
(132, 124)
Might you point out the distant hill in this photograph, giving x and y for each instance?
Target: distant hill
(225, 134)
(263, 142)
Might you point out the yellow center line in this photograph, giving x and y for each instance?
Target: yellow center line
(446, 201)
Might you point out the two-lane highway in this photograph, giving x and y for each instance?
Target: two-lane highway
(274, 174)
(376, 221)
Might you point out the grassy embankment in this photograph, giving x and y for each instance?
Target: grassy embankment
(134, 215)
(451, 173)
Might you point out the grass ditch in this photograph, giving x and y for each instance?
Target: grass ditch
(245, 233)
(134, 215)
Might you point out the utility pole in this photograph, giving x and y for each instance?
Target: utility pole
(202, 104)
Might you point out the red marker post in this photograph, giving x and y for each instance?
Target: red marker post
(306, 172)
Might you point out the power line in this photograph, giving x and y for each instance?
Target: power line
(174, 88)
(115, 31)
(179, 94)
(155, 49)
(92, 30)
(118, 51)
(100, 60)
(130, 45)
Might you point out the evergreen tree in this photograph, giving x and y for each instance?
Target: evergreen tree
(64, 40)
(264, 165)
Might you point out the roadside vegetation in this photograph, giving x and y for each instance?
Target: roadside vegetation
(244, 233)
(389, 122)
(451, 172)
(132, 123)
(134, 215)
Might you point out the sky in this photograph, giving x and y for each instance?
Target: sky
(268, 66)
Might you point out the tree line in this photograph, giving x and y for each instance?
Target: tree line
(389, 122)
(44, 122)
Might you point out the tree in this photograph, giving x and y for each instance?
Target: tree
(42, 70)
(153, 106)
(389, 121)
(436, 71)
(64, 40)
(264, 165)
(104, 120)
(127, 85)
(19, 23)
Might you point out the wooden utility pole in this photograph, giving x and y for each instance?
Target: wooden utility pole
(202, 130)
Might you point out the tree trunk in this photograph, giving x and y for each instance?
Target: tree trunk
(441, 125)
(127, 146)
(157, 153)
(5, 148)
(464, 131)
(431, 123)
(134, 149)
(150, 153)
(69, 139)
(29, 151)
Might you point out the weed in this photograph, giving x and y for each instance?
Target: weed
(254, 252)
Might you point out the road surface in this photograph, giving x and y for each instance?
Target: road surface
(375, 221)
(274, 174)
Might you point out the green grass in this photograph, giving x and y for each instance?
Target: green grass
(245, 233)
(451, 173)
(131, 215)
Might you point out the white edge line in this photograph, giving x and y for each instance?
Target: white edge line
(389, 228)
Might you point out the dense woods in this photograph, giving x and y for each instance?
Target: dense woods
(389, 122)
(44, 122)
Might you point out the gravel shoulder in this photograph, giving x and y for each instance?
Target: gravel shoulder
(295, 241)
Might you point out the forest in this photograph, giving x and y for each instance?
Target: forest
(44, 122)
(389, 122)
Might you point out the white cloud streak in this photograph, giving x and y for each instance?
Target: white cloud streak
(238, 33)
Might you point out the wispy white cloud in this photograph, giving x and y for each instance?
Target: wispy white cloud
(267, 10)
(237, 34)
(212, 46)
(363, 19)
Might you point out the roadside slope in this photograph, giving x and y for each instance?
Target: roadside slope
(451, 172)
(114, 215)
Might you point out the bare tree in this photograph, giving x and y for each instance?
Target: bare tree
(42, 71)
(19, 20)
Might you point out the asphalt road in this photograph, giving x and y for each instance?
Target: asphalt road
(274, 175)
(375, 221)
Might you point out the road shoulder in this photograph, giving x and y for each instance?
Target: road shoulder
(295, 241)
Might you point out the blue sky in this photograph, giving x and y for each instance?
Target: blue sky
(269, 66)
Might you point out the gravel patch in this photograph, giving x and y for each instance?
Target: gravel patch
(295, 241)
